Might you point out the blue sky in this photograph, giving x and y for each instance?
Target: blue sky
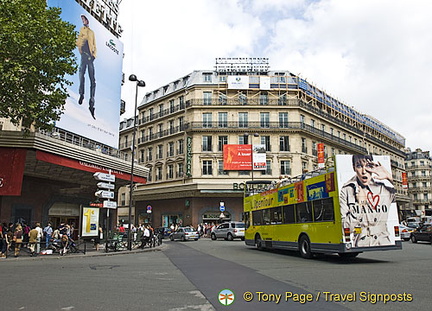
(374, 55)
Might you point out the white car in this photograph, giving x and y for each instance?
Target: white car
(405, 232)
(184, 233)
(229, 231)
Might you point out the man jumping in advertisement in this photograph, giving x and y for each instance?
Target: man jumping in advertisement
(86, 43)
(365, 202)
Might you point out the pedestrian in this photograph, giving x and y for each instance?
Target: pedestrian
(17, 239)
(39, 237)
(99, 238)
(26, 231)
(33, 240)
(145, 237)
(3, 240)
(48, 230)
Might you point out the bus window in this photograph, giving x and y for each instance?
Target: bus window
(288, 214)
(266, 216)
(304, 212)
(257, 218)
(276, 215)
(246, 219)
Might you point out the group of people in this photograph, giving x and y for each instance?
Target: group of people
(14, 237)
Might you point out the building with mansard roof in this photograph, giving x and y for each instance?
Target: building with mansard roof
(182, 128)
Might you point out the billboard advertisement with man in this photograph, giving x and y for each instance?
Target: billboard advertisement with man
(92, 109)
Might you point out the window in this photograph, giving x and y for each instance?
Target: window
(276, 215)
(159, 173)
(207, 119)
(304, 212)
(284, 143)
(150, 154)
(207, 167)
(268, 170)
(181, 102)
(222, 99)
(170, 173)
(207, 77)
(302, 119)
(160, 129)
(171, 126)
(222, 119)
(304, 146)
(151, 114)
(171, 105)
(283, 119)
(207, 143)
(222, 140)
(323, 209)
(160, 110)
(243, 140)
(314, 149)
(282, 100)
(150, 133)
(263, 99)
(285, 167)
(312, 122)
(288, 214)
(160, 151)
(265, 140)
(180, 169)
(221, 168)
(243, 119)
(171, 149)
(242, 99)
(207, 98)
(180, 146)
(181, 123)
(265, 119)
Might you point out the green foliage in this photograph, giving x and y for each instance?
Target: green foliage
(36, 52)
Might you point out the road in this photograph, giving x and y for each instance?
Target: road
(182, 276)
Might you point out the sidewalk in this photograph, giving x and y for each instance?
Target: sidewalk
(90, 252)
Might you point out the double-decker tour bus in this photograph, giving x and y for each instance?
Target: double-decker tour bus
(347, 208)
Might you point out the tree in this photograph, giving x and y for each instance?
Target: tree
(36, 53)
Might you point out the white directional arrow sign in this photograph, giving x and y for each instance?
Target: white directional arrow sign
(105, 185)
(104, 194)
(104, 177)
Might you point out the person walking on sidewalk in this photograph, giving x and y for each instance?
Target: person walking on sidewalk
(48, 230)
(33, 240)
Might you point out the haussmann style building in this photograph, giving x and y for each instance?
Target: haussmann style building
(182, 128)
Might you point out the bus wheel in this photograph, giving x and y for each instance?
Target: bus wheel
(259, 243)
(304, 247)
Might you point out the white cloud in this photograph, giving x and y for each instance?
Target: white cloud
(373, 55)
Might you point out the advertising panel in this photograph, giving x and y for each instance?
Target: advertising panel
(90, 222)
(12, 164)
(238, 82)
(259, 158)
(92, 109)
(321, 155)
(237, 157)
(367, 200)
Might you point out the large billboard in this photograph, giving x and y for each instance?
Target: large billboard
(244, 157)
(92, 109)
(367, 200)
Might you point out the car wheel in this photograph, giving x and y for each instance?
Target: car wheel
(304, 247)
(213, 236)
(413, 239)
(242, 238)
(171, 238)
(196, 239)
(183, 238)
(230, 237)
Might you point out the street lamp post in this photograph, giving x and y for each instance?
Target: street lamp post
(139, 83)
(246, 138)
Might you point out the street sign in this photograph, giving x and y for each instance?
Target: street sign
(104, 194)
(110, 204)
(222, 206)
(105, 185)
(104, 177)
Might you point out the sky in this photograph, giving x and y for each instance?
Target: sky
(373, 55)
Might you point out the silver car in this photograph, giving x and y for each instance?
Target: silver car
(184, 233)
(229, 231)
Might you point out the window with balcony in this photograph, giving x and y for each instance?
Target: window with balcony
(222, 99)
(263, 99)
(171, 126)
(265, 119)
(181, 123)
(171, 105)
(160, 151)
(283, 119)
(243, 119)
(222, 119)
(282, 100)
(207, 119)
(171, 149)
(242, 99)
(207, 98)
(150, 154)
(181, 102)
(180, 146)
(207, 143)
(304, 145)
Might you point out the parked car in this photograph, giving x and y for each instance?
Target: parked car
(405, 232)
(423, 233)
(229, 231)
(165, 231)
(184, 233)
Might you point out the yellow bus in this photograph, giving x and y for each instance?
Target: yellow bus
(346, 208)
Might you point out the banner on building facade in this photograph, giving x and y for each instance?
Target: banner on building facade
(237, 157)
(12, 164)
